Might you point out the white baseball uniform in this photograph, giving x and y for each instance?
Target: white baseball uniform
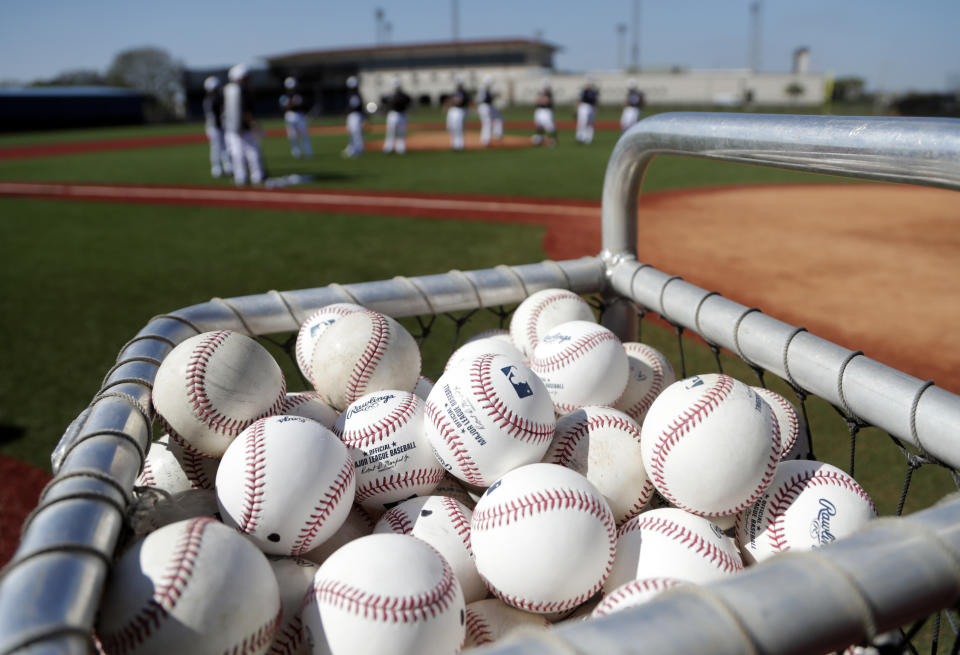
(296, 121)
(456, 117)
(585, 114)
(354, 124)
(213, 113)
(632, 111)
(396, 139)
(543, 119)
(491, 122)
(242, 140)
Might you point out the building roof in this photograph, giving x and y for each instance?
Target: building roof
(405, 50)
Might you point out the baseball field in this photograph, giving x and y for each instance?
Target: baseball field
(103, 229)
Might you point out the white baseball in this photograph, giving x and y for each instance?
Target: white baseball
(153, 511)
(357, 524)
(423, 388)
(491, 619)
(212, 386)
(808, 505)
(287, 483)
(385, 593)
(488, 416)
(671, 543)
(315, 325)
(294, 577)
(178, 591)
(633, 593)
(473, 349)
(543, 538)
(451, 486)
(581, 363)
(650, 373)
(710, 445)
(791, 424)
(171, 468)
(444, 523)
(392, 457)
(309, 404)
(541, 312)
(361, 353)
(603, 445)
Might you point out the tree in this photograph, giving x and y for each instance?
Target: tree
(794, 90)
(77, 77)
(848, 89)
(151, 70)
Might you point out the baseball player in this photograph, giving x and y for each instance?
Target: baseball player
(213, 114)
(491, 122)
(355, 118)
(633, 109)
(585, 112)
(457, 114)
(240, 129)
(295, 116)
(543, 119)
(396, 139)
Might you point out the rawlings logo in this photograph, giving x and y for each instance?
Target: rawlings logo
(820, 526)
(556, 338)
(522, 387)
(370, 403)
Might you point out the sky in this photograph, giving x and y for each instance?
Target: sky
(896, 46)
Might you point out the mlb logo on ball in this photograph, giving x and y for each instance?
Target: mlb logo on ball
(520, 386)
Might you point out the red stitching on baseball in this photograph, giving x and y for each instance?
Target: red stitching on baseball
(516, 426)
(256, 640)
(167, 591)
(183, 443)
(391, 609)
(331, 498)
(451, 437)
(478, 630)
(399, 416)
(790, 411)
(625, 592)
(380, 337)
(572, 351)
(531, 327)
(289, 640)
(398, 520)
(642, 501)
(638, 410)
(254, 464)
(686, 537)
(787, 494)
(194, 466)
(395, 481)
(146, 478)
(460, 522)
(294, 400)
(302, 335)
(565, 446)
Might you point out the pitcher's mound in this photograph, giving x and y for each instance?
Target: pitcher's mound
(424, 141)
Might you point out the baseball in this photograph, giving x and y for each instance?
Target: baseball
(581, 363)
(315, 325)
(543, 538)
(391, 454)
(153, 511)
(287, 483)
(793, 429)
(385, 593)
(474, 348)
(633, 593)
(171, 468)
(309, 404)
(423, 388)
(444, 523)
(808, 505)
(294, 577)
(491, 619)
(710, 445)
(650, 373)
(177, 590)
(542, 311)
(671, 543)
(361, 353)
(603, 445)
(488, 416)
(212, 386)
(358, 524)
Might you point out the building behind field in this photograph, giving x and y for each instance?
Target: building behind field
(518, 67)
(56, 107)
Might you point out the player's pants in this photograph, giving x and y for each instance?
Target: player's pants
(491, 122)
(585, 112)
(219, 156)
(355, 130)
(629, 117)
(396, 139)
(456, 116)
(297, 133)
(245, 153)
(543, 122)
